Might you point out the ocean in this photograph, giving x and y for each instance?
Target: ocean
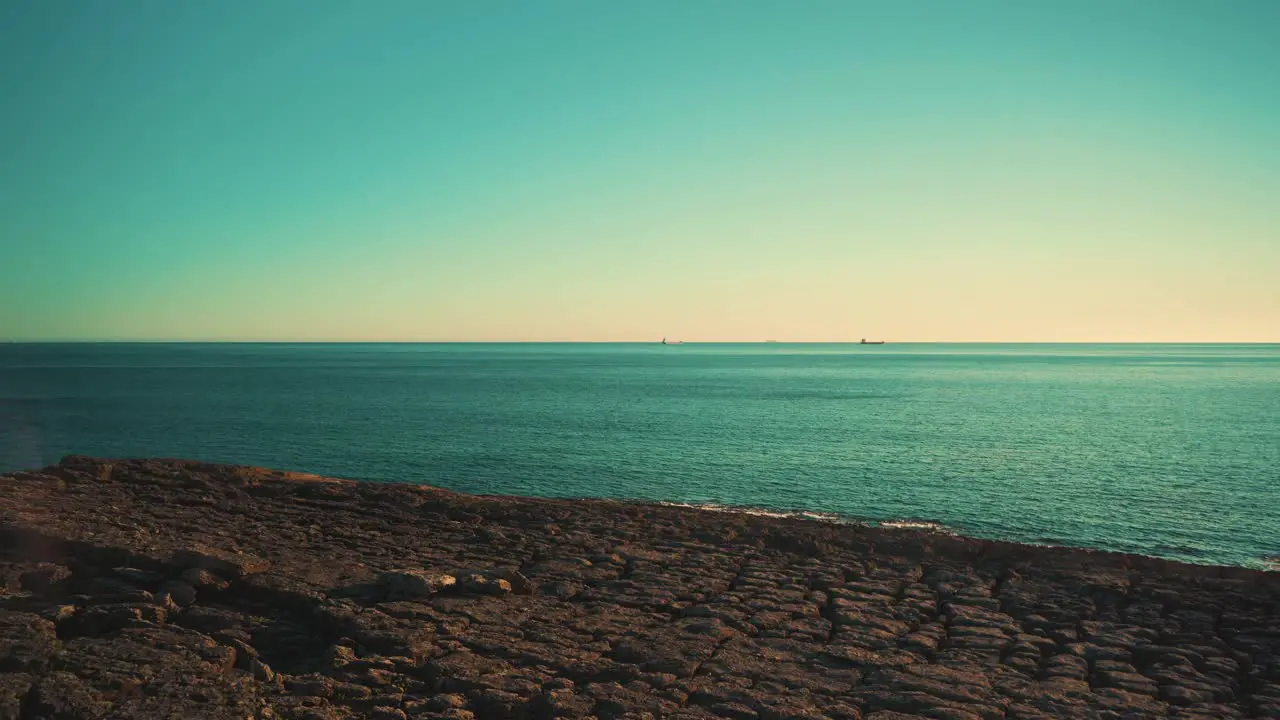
(1164, 450)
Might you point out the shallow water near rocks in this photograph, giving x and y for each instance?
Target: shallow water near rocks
(1166, 450)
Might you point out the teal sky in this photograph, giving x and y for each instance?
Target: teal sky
(708, 170)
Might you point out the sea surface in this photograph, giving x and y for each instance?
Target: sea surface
(1165, 450)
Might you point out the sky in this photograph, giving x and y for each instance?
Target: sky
(710, 170)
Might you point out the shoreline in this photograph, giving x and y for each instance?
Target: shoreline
(146, 587)
(1265, 563)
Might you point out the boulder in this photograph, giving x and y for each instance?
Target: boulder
(414, 584)
(482, 583)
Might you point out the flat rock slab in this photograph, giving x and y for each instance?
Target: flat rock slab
(165, 588)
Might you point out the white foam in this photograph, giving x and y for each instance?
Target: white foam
(761, 512)
(923, 525)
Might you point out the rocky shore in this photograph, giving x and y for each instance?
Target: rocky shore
(172, 589)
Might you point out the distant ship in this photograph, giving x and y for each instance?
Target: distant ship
(871, 342)
(672, 342)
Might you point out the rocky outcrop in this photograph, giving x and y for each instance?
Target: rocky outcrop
(149, 589)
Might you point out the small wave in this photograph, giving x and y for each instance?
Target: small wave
(762, 512)
(1271, 562)
(932, 526)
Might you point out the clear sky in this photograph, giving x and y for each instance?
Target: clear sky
(585, 170)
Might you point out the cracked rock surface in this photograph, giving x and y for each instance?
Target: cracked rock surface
(175, 589)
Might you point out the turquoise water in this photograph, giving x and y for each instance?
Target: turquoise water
(1168, 450)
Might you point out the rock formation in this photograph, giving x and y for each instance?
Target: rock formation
(158, 589)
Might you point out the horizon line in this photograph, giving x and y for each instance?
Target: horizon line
(161, 341)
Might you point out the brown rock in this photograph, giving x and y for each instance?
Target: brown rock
(313, 685)
(563, 704)
(232, 565)
(44, 578)
(628, 611)
(13, 690)
(28, 643)
(63, 695)
(261, 671)
(414, 584)
(204, 580)
(483, 583)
